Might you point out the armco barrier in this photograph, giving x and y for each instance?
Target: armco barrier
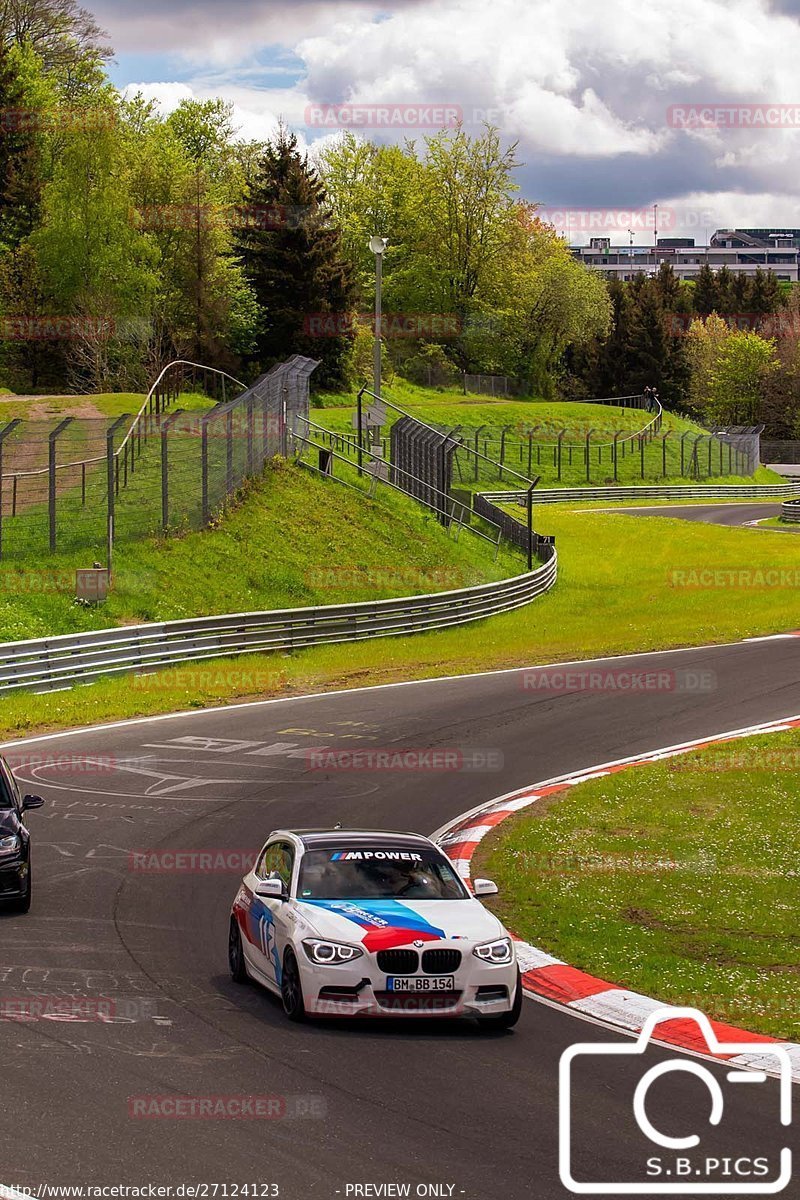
(59, 662)
(719, 491)
(790, 509)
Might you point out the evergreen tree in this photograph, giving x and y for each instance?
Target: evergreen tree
(726, 292)
(655, 356)
(668, 286)
(604, 370)
(294, 264)
(705, 291)
(742, 294)
(765, 296)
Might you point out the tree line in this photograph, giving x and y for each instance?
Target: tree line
(724, 347)
(128, 238)
(136, 237)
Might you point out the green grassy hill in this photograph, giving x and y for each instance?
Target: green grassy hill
(293, 540)
(448, 410)
(334, 410)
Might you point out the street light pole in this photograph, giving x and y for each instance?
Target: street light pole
(377, 245)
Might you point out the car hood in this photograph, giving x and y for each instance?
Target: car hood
(383, 924)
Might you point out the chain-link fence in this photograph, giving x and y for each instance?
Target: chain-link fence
(492, 385)
(87, 483)
(596, 453)
(780, 451)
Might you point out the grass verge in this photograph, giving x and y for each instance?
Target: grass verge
(678, 880)
(623, 586)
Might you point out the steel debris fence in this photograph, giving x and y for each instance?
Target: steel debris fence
(492, 385)
(89, 483)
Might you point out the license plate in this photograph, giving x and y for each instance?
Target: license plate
(410, 983)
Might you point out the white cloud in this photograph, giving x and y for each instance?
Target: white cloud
(166, 95)
(584, 87)
(253, 115)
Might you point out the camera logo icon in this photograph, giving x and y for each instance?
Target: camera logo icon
(675, 1165)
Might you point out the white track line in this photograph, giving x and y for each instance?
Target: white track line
(378, 687)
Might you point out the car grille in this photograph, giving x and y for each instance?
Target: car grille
(398, 962)
(441, 962)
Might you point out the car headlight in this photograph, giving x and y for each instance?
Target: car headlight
(330, 954)
(500, 952)
(10, 845)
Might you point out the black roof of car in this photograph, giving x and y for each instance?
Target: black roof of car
(323, 838)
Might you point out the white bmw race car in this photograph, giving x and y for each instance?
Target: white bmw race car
(342, 923)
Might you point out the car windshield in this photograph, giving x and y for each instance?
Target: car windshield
(378, 873)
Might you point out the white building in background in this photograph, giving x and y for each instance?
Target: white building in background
(742, 251)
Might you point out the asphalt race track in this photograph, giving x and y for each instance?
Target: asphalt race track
(434, 1103)
(711, 514)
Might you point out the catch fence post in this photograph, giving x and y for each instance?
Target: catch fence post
(165, 429)
(51, 477)
(111, 488)
(204, 466)
(4, 432)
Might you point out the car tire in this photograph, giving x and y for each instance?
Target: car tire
(506, 1020)
(23, 905)
(292, 988)
(236, 963)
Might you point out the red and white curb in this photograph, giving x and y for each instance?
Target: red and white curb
(551, 979)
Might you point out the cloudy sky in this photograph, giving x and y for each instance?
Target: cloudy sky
(693, 105)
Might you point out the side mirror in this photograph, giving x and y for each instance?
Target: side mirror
(271, 888)
(484, 887)
(29, 802)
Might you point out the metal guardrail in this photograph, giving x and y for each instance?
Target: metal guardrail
(711, 491)
(790, 509)
(47, 664)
